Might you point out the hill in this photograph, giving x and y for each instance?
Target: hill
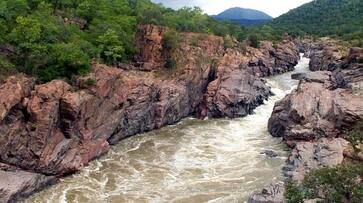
(342, 18)
(243, 16)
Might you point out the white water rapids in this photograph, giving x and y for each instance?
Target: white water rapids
(216, 160)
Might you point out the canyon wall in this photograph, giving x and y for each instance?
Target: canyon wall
(54, 129)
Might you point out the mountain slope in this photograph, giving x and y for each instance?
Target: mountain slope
(325, 17)
(244, 16)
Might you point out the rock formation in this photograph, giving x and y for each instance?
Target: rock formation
(54, 129)
(273, 193)
(314, 116)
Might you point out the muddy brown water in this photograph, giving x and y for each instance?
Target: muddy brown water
(215, 160)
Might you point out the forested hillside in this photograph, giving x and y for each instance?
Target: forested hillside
(341, 18)
(57, 39)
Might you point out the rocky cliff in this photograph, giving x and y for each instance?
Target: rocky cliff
(313, 118)
(54, 129)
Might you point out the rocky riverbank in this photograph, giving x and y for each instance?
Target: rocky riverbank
(54, 129)
(314, 117)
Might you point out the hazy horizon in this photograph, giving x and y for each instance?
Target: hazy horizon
(274, 8)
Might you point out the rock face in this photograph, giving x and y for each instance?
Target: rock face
(150, 44)
(237, 88)
(324, 54)
(15, 185)
(234, 92)
(313, 117)
(320, 107)
(307, 156)
(54, 129)
(273, 193)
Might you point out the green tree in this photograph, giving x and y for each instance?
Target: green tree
(65, 60)
(112, 50)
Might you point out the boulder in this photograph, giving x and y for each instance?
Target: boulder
(16, 185)
(307, 156)
(273, 193)
(13, 91)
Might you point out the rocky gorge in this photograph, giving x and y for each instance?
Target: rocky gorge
(50, 130)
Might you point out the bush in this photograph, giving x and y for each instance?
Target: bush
(170, 63)
(355, 136)
(228, 42)
(293, 193)
(171, 40)
(330, 185)
(65, 61)
(6, 68)
(254, 41)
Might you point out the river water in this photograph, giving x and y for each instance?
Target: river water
(215, 160)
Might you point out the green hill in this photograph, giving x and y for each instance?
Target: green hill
(341, 18)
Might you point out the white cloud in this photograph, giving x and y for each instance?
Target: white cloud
(271, 7)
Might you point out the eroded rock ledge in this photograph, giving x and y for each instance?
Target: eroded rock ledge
(54, 129)
(313, 118)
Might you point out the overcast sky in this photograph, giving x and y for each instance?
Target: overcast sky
(271, 7)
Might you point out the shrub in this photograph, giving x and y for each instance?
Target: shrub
(293, 192)
(254, 41)
(170, 63)
(65, 61)
(330, 185)
(355, 135)
(6, 68)
(228, 42)
(90, 82)
(171, 40)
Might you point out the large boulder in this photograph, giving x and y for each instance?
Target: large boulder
(307, 156)
(273, 193)
(15, 185)
(13, 91)
(235, 92)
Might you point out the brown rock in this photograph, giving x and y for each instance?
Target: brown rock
(13, 91)
(274, 193)
(15, 185)
(307, 156)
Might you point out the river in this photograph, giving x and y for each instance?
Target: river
(215, 160)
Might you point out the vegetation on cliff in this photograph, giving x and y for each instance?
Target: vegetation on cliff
(339, 184)
(57, 39)
(339, 18)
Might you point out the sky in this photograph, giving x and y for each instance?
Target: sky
(272, 7)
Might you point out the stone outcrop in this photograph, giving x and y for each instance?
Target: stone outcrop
(319, 107)
(273, 193)
(237, 88)
(15, 185)
(307, 156)
(315, 115)
(150, 44)
(54, 129)
(325, 54)
(235, 92)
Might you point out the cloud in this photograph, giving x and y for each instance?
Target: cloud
(271, 7)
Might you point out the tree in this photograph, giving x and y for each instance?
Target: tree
(25, 35)
(112, 50)
(64, 61)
